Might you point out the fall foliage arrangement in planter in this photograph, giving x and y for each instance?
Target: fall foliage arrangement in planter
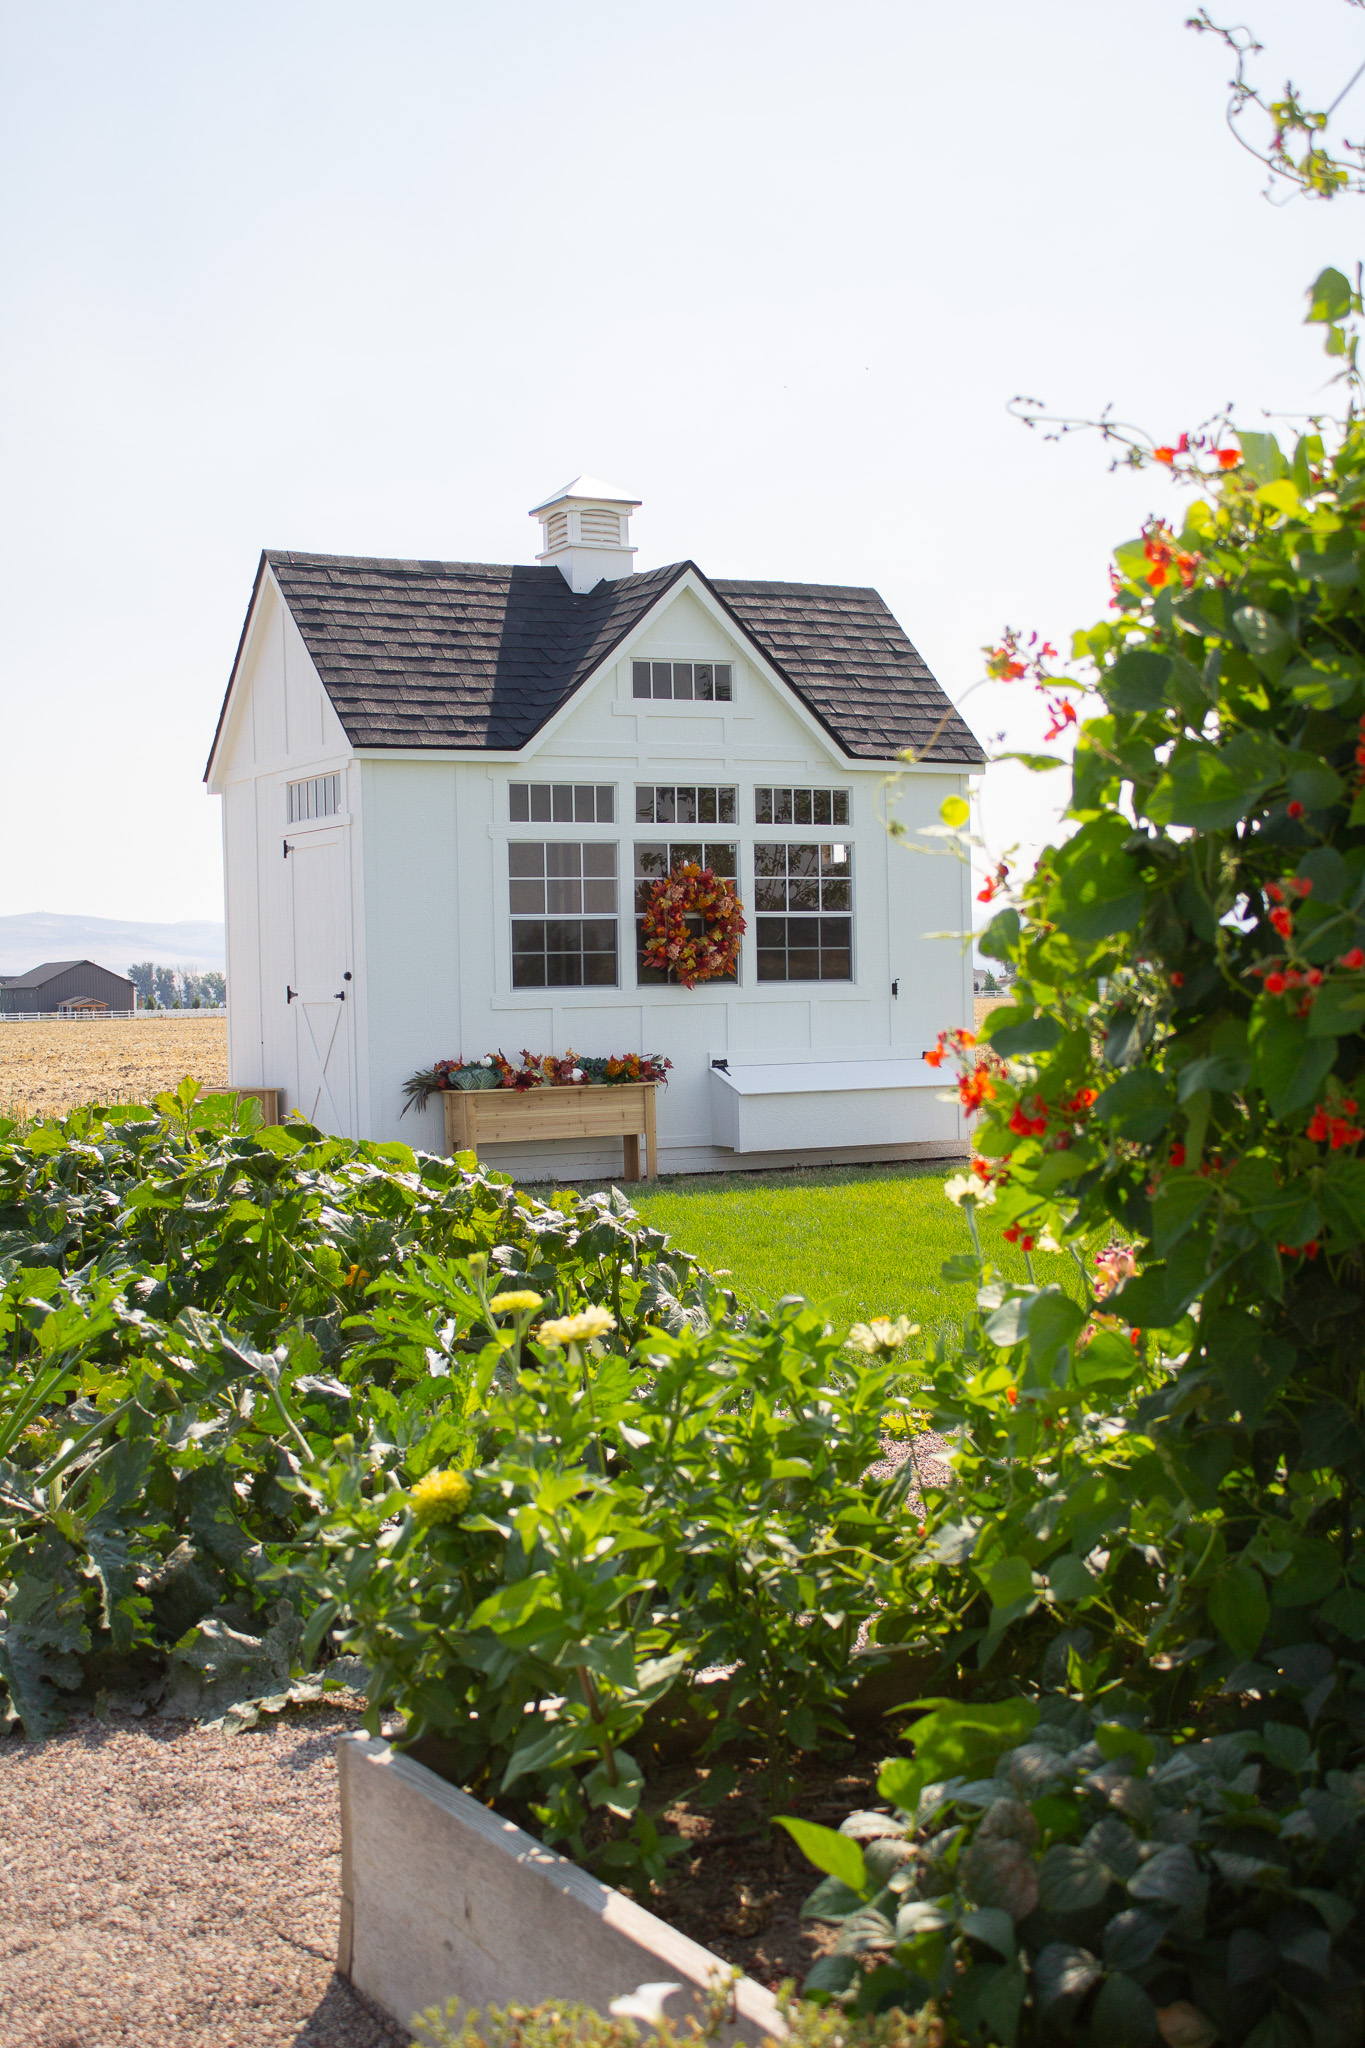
(537, 1070)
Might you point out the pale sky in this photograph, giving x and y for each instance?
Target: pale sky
(348, 278)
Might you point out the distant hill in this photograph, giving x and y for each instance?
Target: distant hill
(34, 936)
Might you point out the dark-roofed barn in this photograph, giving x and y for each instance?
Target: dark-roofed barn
(449, 787)
(59, 984)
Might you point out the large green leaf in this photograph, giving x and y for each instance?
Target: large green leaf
(1139, 1104)
(1213, 787)
(837, 1855)
(1287, 1064)
(1138, 680)
(1240, 1611)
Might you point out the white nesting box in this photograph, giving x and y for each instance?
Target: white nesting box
(775, 1101)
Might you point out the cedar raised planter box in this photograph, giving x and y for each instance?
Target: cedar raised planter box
(506, 1116)
(443, 1899)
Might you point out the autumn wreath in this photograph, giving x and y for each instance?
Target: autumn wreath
(673, 944)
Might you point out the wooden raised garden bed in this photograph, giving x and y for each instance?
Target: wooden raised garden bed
(507, 1116)
(442, 1898)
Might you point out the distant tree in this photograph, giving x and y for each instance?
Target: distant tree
(990, 986)
(167, 985)
(142, 974)
(213, 988)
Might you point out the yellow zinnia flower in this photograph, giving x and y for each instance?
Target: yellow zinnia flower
(519, 1298)
(881, 1336)
(589, 1322)
(440, 1497)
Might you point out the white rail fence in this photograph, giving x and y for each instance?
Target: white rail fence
(107, 1016)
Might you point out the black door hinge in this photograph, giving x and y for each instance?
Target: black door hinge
(289, 994)
(896, 989)
(287, 849)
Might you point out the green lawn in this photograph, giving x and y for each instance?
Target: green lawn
(858, 1240)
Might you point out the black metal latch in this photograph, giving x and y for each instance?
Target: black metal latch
(289, 994)
(341, 995)
(896, 989)
(724, 1065)
(288, 849)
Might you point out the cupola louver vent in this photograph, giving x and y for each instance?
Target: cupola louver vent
(586, 526)
(602, 527)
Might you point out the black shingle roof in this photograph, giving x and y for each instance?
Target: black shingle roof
(37, 976)
(471, 655)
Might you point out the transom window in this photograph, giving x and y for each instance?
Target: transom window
(800, 806)
(318, 797)
(659, 805)
(803, 900)
(563, 900)
(562, 803)
(708, 680)
(654, 860)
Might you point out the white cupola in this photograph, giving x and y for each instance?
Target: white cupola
(586, 528)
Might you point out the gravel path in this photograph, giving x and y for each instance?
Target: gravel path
(166, 1887)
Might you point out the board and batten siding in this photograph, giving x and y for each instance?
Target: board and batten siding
(282, 727)
(438, 931)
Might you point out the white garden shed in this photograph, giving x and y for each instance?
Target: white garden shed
(446, 787)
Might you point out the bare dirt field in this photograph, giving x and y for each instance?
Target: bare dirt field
(985, 1004)
(47, 1069)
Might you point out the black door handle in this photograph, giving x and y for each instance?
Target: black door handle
(341, 995)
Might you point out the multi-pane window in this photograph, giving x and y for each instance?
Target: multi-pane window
(708, 680)
(562, 803)
(653, 861)
(803, 900)
(800, 806)
(563, 914)
(318, 797)
(656, 804)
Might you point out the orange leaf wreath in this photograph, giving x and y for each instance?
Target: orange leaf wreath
(670, 943)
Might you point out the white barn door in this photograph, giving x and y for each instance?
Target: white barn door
(323, 993)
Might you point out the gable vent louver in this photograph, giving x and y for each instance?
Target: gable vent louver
(557, 531)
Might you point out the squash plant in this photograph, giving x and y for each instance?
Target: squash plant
(1182, 1064)
(191, 1308)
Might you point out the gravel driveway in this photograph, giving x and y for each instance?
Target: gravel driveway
(166, 1887)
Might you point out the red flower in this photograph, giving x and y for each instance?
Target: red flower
(1283, 923)
(1302, 885)
(1177, 979)
(1025, 1126)
(1355, 959)
(1177, 1154)
(1166, 455)
(1295, 809)
(1317, 1125)
(1274, 892)
(1012, 1395)
(1314, 977)
(1062, 713)
(1228, 458)
(1274, 984)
